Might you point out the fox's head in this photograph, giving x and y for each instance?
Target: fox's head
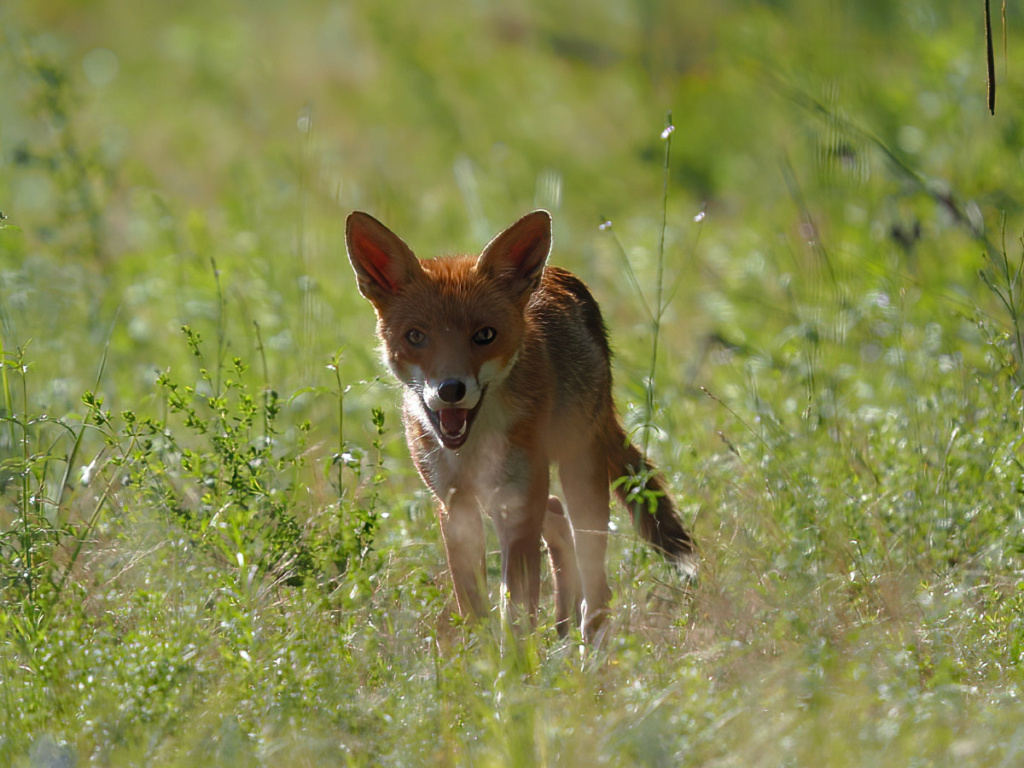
(451, 327)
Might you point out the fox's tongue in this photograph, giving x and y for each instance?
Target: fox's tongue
(453, 421)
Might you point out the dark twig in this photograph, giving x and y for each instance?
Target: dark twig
(991, 59)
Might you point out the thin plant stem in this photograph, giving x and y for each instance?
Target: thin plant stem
(606, 225)
(659, 306)
(266, 381)
(90, 524)
(699, 220)
(73, 456)
(8, 397)
(221, 333)
(336, 367)
(656, 313)
(308, 328)
(26, 539)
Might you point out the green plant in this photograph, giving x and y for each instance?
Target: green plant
(36, 526)
(227, 481)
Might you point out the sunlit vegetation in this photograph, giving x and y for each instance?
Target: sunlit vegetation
(213, 548)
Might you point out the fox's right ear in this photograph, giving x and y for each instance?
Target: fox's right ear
(383, 263)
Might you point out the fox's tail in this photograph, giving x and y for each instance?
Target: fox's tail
(657, 521)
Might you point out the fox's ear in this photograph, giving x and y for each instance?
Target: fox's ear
(520, 252)
(383, 263)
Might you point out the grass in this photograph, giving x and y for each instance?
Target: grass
(213, 548)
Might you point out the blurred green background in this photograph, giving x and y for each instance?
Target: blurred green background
(837, 392)
(142, 141)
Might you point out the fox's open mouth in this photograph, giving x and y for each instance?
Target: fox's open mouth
(452, 424)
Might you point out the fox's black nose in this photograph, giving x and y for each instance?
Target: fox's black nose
(451, 390)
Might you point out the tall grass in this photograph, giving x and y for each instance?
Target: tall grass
(213, 548)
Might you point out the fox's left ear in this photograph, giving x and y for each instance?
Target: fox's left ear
(520, 252)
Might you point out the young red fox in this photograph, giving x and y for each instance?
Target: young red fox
(506, 368)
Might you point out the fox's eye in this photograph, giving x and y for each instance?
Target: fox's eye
(416, 337)
(485, 336)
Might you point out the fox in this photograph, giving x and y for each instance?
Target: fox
(505, 369)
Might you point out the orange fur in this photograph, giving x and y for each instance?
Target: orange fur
(506, 369)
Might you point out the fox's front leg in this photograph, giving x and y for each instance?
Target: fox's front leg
(519, 520)
(463, 532)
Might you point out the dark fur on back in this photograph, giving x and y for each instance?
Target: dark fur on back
(577, 308)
